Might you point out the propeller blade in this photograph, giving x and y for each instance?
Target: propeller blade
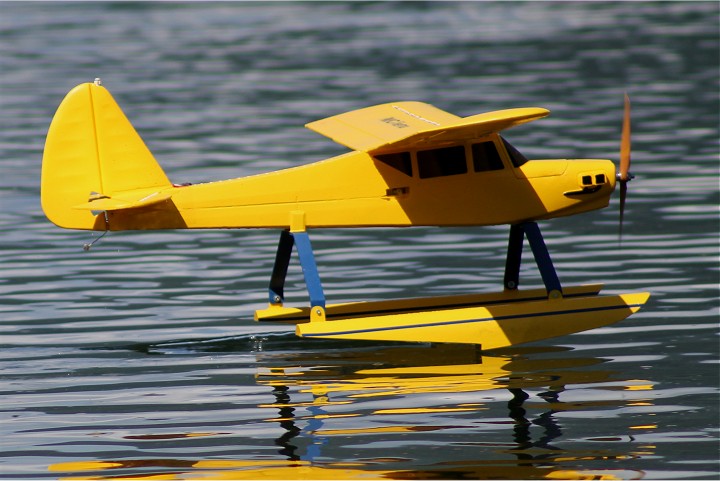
(624, 175)
(623, 194)
(625, 143)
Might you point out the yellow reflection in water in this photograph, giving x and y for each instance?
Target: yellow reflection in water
(228, 470)
(346, 380)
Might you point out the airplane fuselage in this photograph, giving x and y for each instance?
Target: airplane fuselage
(478, 182)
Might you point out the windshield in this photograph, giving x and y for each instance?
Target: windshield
(516, 157)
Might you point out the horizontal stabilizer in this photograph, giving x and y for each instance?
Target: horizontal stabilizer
(407, 125)
(99, 203)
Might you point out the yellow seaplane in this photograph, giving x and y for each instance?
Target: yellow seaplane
(410, 164)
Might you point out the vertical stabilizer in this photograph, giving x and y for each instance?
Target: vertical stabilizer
(92, 148)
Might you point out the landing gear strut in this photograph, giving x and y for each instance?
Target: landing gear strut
(540, 252)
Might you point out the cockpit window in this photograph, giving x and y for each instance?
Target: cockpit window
(400, 161)
(486, 157)
(516, 157)
(442, 162)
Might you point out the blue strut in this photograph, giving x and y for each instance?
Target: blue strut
(301, 241)
(540, 252)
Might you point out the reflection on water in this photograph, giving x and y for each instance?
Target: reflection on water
(318, 397)
(140, 357)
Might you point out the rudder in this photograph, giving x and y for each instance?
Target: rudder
(91, 148)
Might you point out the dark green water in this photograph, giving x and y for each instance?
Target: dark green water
(141, 358)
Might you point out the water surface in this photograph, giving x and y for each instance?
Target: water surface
(140, 358)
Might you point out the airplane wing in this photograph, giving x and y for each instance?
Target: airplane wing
(404, 125)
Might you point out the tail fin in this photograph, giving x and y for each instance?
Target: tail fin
(93, 153)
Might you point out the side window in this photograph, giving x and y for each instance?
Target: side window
(400, 161)
(442, 162)
(486, 157)
(516, 157)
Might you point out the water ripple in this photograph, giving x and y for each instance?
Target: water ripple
(141, 358)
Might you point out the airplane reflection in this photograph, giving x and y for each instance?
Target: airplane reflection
(408, 371)
(286, 422)
(380, 397)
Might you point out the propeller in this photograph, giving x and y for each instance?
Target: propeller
(624, 176)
